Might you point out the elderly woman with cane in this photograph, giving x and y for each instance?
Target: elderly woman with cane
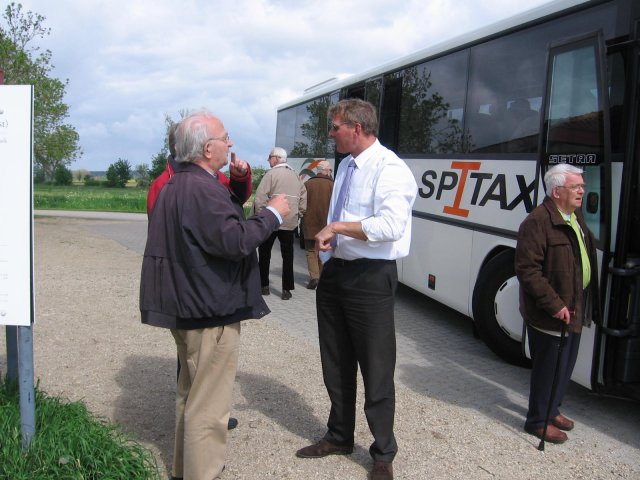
(555, 262)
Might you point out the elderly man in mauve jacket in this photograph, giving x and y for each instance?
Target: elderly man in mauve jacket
(200, 279)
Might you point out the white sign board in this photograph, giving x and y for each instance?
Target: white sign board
(16, 217)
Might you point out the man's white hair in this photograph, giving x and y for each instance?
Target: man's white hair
(556, 176)
(279, 152)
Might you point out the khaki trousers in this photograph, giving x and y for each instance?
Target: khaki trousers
(209, 359)
(314, 265)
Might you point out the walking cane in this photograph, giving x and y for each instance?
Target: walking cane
(554, 385)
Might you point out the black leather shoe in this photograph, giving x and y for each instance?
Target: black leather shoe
(233, 423)
(265, 291)
(381, 471)
(313, 283)
(286, 295)
(322, 449)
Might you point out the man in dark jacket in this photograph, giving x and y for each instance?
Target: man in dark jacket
(200, 279)
(556, 266)
(239, 185)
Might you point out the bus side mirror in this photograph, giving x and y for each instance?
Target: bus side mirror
(593, 199)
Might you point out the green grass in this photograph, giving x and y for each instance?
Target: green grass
(69, 444)
(49, 197)
(100, 199)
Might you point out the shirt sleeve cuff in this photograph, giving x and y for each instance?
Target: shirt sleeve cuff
(275, 212)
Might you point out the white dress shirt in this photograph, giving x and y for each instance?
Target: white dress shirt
(381, 196)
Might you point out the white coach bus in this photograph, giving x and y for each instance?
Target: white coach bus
(479, 119)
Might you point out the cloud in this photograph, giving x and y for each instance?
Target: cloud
(130, 63)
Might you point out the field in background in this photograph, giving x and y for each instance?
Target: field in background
(100, 199)
(49, 197)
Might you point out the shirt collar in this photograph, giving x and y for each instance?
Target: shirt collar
(366, 154)
(281, 165)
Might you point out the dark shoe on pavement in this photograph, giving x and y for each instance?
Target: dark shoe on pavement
(381, 471)
(313, 283)
(286, 295)
(563, 423)
(265, 291)
(233, 423)
(553, 434)
(322, 449)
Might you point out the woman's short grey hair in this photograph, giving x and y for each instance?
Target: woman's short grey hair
(556, 176)
(192, 135)
(279, 152)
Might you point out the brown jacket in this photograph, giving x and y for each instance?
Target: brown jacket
(319, 190)
(549, 269)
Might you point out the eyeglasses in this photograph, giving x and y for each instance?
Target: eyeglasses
(336, 126)
(574, 188)
(224, 138)
(274, 156)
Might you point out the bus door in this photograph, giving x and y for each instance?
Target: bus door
(620, 359)
(575, 131)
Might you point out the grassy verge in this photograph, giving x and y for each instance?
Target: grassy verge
(69, 444)
(48, 197)
(100, 199)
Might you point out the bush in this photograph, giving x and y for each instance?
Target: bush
(256, 176)
(118, 173)
(69, 443)
(62, 176)
(158, 164)
(89, 181)
(38, 175)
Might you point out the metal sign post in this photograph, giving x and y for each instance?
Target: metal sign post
(16, 244)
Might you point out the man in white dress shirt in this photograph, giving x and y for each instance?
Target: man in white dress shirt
(369, 227)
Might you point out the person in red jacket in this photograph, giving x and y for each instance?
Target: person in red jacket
(240, 172)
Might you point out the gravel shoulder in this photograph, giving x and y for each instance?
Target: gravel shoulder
(90, 345)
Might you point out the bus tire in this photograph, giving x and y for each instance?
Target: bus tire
(496, 275)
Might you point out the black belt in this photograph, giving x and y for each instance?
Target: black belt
(359, 261)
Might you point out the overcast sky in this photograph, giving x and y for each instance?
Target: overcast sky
(130, 62)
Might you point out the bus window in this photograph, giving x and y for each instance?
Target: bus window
(616, 79)
(390, 111)
(286, 129)
(373, 93)
(432, 106)
(506, 82)
(311, 136)
(356, 91)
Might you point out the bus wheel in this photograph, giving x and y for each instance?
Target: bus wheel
(495, 309)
